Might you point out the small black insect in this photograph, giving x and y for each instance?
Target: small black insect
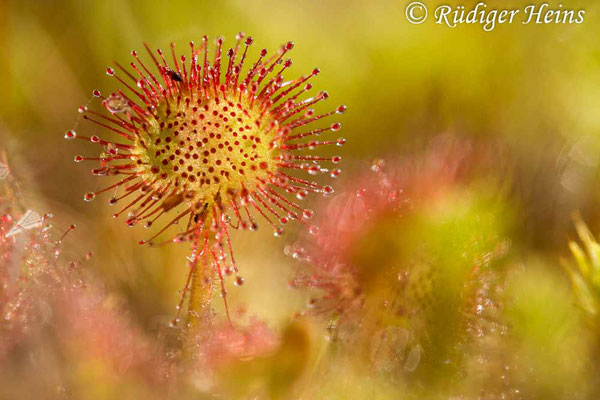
(174, 75)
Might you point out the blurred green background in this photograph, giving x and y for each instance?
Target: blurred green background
(530, 89)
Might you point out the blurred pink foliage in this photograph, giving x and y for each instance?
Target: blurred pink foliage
(224, 343)
(391, 189)
(44, 296)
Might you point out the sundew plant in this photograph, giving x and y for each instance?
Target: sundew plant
(183, 217)
(219, 141)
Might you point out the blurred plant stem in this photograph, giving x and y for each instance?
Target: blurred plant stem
(199, 308)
